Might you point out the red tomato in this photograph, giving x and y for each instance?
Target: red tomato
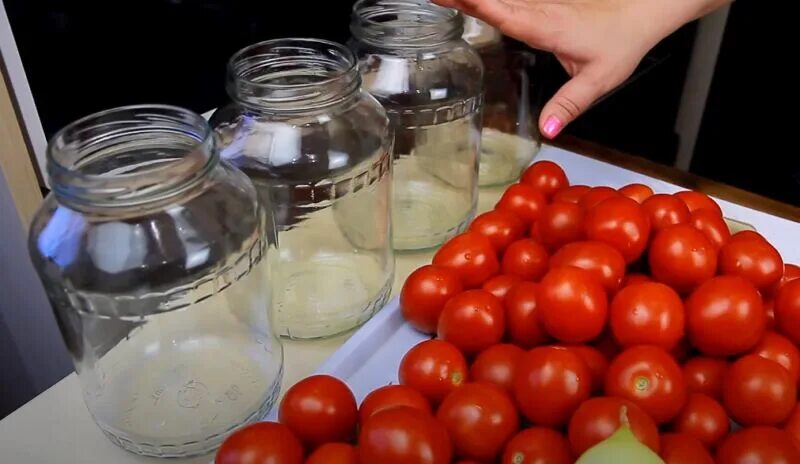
(472, 321)
(752, 257)
(595, 361)
(524, 325)
(537, 445)
(546, 177)
(698, 200)
(595, 195)
(571, 194)
(604, 262)
(572, 305)
(787, 310)
(471, 256)
(790, 273)
(261, 442)
(404, 435)
(480, 419)
(391, 396)
(679, 448)
(500, 227)
(334, 453)
(757, 391)
(500, 285)
(792, 424)
(758, 445)
(424, 294)
(320, 409)
(634, 278)
(637, 192)
(496, 365)
(650, 378)
(769, 308)
(704, 375)
(682, 257)
(665, 210)
(526, 259)
(704, 419)
(550, 384)
(780, 349)
(561, 223)
(433, 368)
(725, 316)
(712, 225)
(622, 223)
(598, 418)
(647, 314)
(523, 201)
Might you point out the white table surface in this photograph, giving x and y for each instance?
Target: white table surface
(55, 427)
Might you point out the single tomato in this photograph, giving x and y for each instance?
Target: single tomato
(704, 375)
(600, 259)
(682, 257)
(787, 310)
(649, 377)
(572, 304)
(524, 326)
(571, 194)
(598, 418)
(391, 396)
(712, 225)
(703, 418)
(550, 384)
(500, 285)
(749, 255)
(790, 273)
(320, 409)
(758, 445)
(471, 256)
(433, 368)
(780, 349)
(424, 294)
(526, 259)
(621, 223)
(480, 419)
(561, 223)
(500, 227)
(595, 360)
(537, 445)
(647, 314)
(679, 448)
(546, 177)
(725, 316)
(261, 442)
(404, 435)
(334, 453)
(523, 201)
(497, 364)
(757, 391)
(595, 195)
(698, 200)
(665, 210)
(637, 192)
(472, 321)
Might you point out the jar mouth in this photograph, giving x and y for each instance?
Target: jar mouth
(129, 155)
(405, 23)
(292, 74)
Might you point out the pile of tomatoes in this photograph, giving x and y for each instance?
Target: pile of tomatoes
(559, 315)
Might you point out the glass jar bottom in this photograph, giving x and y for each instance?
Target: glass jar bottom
(503, 157)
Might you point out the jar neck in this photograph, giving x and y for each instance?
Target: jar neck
(130, 156)
(293, 75)
(404, 23)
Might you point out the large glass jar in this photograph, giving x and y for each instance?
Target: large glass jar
(152, 254)
(510, 137)
(317, 148)
(413, 60)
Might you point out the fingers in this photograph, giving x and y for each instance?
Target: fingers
(571, 101)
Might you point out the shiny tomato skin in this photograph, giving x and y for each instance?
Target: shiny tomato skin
(776, 347)
(497, 365)
(550, 384)
(546, 177)
(404, 435)
(598, 418)
(680, 448)
(471, 256)
(320, 409)
(572, 304)
(334, 453)
(792, 424)
(523, 201)
(752, 257)
(769, 308)
(637, 192)
(757, 445)
(712, 225)
(649, 377)
(682, 257)
(635, 278)
(433, 368)
(621, 223)
(596, 195)
(472, 321)
(571, 194)
(424, 294)
(537, 445)
(500, 227)
(595, 360)
(526, 259)
(600, 259)
(705, 375)
(704, 419)
(524, 326)
(698, 200)
(561, 223)
(480, 419)
(790, 272)
(787, 310)
(500, 285)
(757, 391)
(261, 442)
(650, 313)
(725, 316)
(391, 396)
(665, 210)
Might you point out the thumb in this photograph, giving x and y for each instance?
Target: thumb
(570, 101)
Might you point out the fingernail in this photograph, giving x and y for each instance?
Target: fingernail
(552, 126)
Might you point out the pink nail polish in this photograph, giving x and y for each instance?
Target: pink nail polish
(552, 126)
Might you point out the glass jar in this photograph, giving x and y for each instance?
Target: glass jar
(152, 254)
(510, 137)
(413, 60)
(317, 148)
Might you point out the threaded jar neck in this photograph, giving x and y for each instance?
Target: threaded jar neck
(292, 75)
(404, 23)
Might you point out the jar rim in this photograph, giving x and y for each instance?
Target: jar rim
(433, 24)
